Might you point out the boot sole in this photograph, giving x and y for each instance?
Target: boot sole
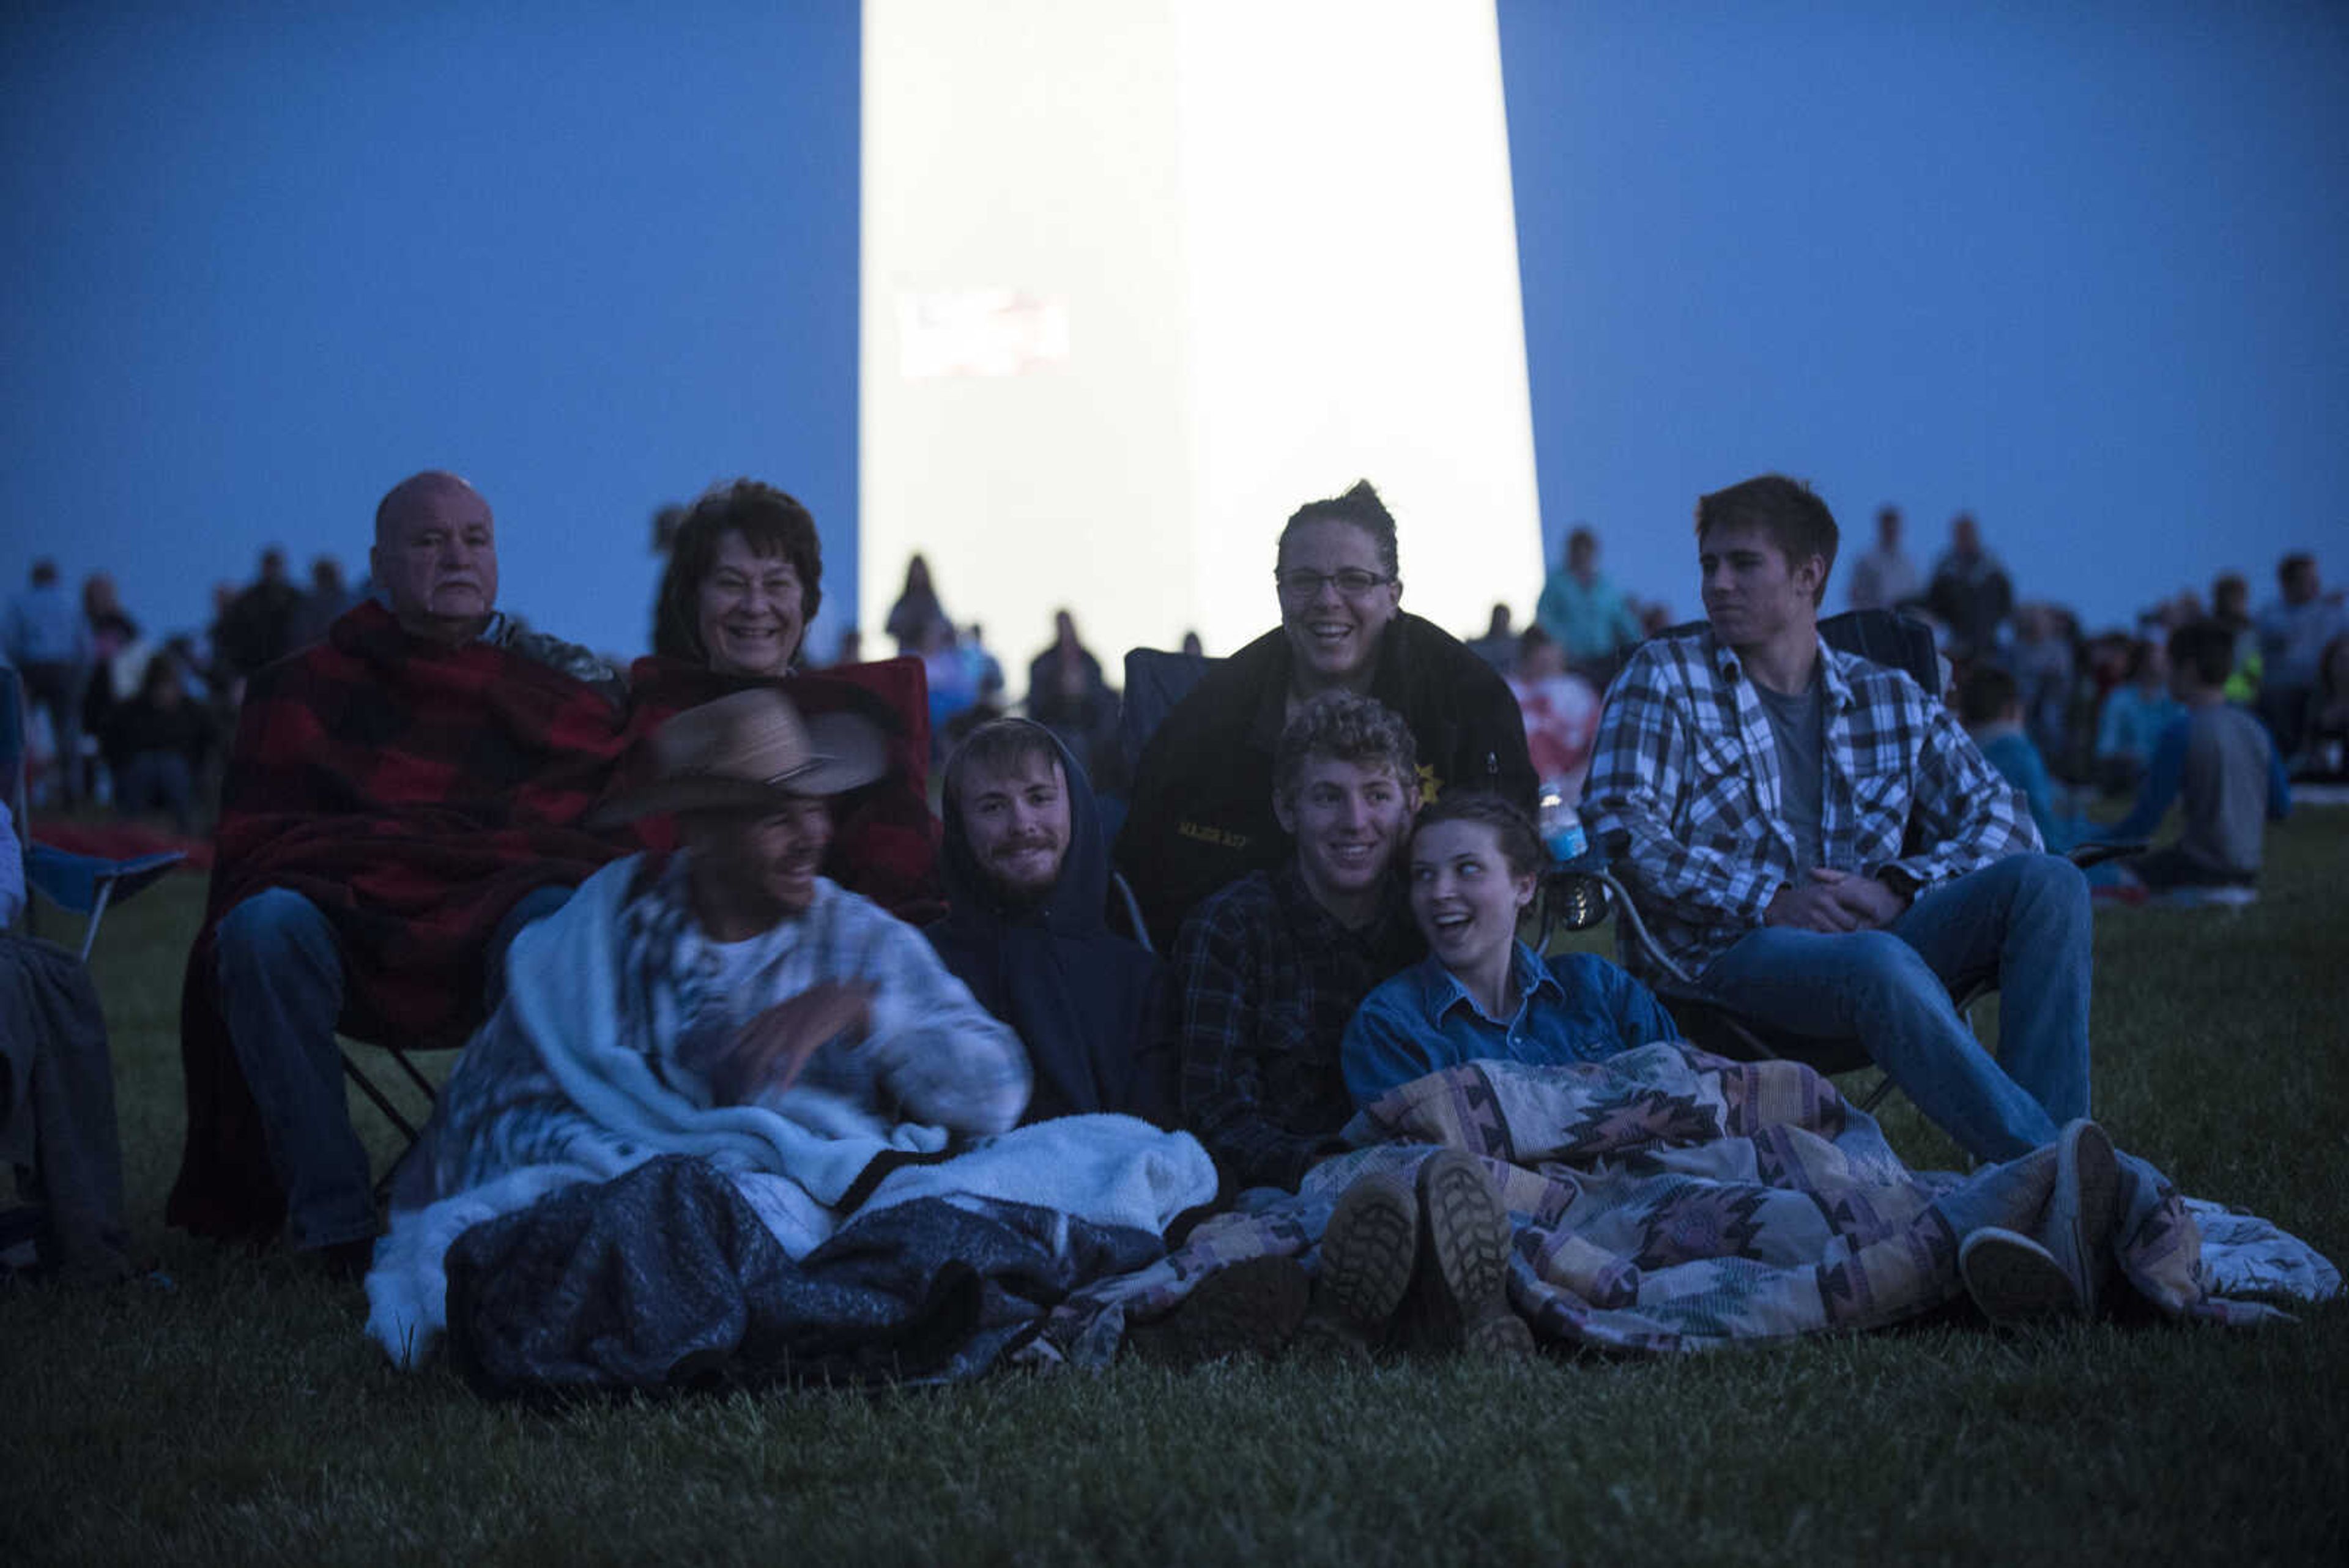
(1467, 1239)
(1366, 1251)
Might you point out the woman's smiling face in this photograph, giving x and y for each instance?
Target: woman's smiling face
(1462, 893)
(1334, 634)
(753, 609)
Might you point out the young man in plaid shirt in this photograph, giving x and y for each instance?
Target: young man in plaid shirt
(1814, 839)
(1272, 967)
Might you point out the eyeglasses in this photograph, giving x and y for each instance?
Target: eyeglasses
(1353, 581)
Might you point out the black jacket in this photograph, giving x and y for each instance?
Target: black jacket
(1089, 1004)
(1201, 814)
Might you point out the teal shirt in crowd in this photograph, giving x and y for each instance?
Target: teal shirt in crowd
(1575, 1008)
(2006, 748)
(1590, 621)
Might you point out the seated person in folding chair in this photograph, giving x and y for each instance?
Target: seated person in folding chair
(1271, 968)
(745, 577)
(1202, 811)
(1814, 841)
(56, 1101)
(1028, 885)
(400, 798)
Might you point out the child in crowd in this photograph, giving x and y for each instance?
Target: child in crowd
(1989, 705)
(2222, 763)
(2133, 717)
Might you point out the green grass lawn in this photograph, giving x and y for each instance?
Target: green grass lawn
(237, 1415)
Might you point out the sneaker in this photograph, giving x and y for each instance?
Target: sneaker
(2226, 895)
(1465, 1238)
(1249, 1310)
(1366, 1253)
(2014, 1279)
(2084, 1209)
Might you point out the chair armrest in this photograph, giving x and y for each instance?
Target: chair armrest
(1574, 899)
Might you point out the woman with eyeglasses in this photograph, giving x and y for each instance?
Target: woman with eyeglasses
(1202, 815)
(745, 577)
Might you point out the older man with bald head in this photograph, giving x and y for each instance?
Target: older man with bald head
(402, 797)
(435, 557)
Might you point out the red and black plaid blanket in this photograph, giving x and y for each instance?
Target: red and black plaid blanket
(414, 794)
(884, 840)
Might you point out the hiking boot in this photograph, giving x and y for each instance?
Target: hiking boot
(1249, 1310)
(1465, 1238)
(1367, 1253)
(2014, 1279)
(2084, 1209)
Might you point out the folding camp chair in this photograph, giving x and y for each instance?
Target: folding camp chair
(1156, 681)
(87, 885)
(1580, 893)
(84, 885)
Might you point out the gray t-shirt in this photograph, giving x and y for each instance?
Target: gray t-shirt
(1798, 725)
(2225, 784)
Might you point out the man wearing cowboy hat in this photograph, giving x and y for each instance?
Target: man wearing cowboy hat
(817, 987)
(722, 1030)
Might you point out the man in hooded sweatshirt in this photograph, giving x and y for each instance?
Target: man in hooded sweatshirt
(1026, 877)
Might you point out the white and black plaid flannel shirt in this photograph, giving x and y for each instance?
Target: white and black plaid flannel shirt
(1683, 791)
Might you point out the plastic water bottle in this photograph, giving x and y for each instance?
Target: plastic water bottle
(1560, 823)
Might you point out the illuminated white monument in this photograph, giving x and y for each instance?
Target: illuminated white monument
(1141, 276)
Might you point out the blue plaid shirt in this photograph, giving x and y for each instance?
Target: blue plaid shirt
(1684, 792)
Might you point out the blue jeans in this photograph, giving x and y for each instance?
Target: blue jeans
(282, 986)
(2024, 920)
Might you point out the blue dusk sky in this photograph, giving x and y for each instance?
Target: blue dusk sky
(2075, 268)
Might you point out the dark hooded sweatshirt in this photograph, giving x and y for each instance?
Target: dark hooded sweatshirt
(1087, 1003)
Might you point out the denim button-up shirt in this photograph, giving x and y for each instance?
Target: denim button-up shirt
(1575, 1008)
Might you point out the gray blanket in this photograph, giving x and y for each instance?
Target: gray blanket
(665, 1278)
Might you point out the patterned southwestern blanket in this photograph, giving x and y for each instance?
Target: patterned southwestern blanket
(415, 795)
(1669, 1201)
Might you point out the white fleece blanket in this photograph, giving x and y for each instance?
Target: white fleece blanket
(571, 1083)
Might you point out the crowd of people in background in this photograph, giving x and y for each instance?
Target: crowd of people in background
(117, 716)
(2090, 706)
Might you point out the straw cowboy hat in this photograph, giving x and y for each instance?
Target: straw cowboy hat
(748, 751)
